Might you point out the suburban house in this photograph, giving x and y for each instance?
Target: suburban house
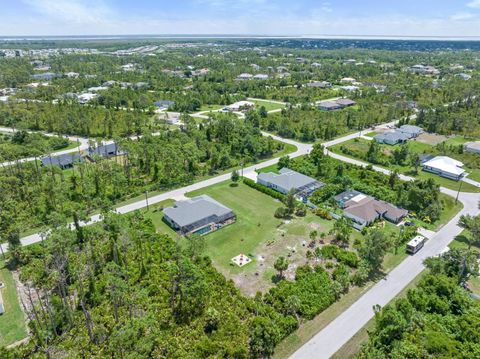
(350, 88)
(472, 147)
(164, 104)
(260, 77)
(335, 104)
(105, 151)
(239, 106)
(445, 166)
(391, 138)
(412, 131)
(172, 118)
(289, 180)
(86, 97)
(47, 76)
(424, 70)
(319, 84)
(198, 215)
(364, 210)
(244, 76)
(64, 161)
(348, 80)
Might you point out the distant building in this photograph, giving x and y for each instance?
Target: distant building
(63, 161)
(239, 106)
(172, 118)
(424, 70)
(472, 147)
(331, 105)
(445, 166)
(364, 210)
(244, 76)
(164, 104)
(289, 180)
(319, 84)
(198, 215)
(348, 80)
(47, 76)
(316, 64)
(86, 97)
(464, 76)
(260, 77)
(105, 151)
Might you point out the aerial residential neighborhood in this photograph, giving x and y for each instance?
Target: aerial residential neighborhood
(246, 179)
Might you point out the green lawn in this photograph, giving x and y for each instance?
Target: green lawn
(269, 106)
(210, 108)
(361, 146)
(12, 322)
(255, 223)
(156, 215)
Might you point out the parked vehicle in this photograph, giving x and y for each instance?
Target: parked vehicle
(415, 244)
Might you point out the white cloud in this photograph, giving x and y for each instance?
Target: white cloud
(71, 11)
(474, 4)
(462, 16)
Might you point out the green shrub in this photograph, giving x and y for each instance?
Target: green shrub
(268, 191)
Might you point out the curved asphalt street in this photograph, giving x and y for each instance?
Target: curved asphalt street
(326, 343)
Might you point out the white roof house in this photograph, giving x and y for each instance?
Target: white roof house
(445, 166)
(238, 106)
(244, 76)
(260, 77)
(86, 97)
(348, 80)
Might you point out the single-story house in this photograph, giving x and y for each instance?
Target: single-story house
(445, 166)
(412, 131)
(86, 97)
(260, 77)
(105, 151)
(244, 76)
(64, 161)
(198, 215)
(164, 104)
(391, 138)
(350, 88)
(46, 76)
(345, 102)
(364, 210)
(172, 118)
(335, 104)
(239, 106)
(329, 105)
(320, 84)
(472, 147)
(348, 80)
(289, 180)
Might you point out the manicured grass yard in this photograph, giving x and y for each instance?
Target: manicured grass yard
(210, 107)
(269, 106)
(12, 322)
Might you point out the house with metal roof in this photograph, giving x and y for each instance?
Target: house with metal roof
(445, 166)
(412, 131)
(391, 138)
(64, 161)
(364, 210)
(288, 180)
(198, 215)
(328, 105)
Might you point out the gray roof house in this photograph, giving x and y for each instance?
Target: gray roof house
(364, 210)
(106, 151)
(412, 131)
(392, 138)
(198, 215)
(289, 180)
(46, 76)
(472, 147)
(345, 102)
(328, 105)
(164, 104)
(64, 161)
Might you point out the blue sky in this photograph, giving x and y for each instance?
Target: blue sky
(267, 17)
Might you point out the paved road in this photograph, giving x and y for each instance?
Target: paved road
(177, 194)
(328, 341)
(81, 141)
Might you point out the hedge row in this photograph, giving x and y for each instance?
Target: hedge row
(263, 189)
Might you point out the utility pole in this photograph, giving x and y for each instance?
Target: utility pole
(458, 193)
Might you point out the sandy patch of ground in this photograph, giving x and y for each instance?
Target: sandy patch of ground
(431, 138)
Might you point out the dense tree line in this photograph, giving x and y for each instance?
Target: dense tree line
(436, 319)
